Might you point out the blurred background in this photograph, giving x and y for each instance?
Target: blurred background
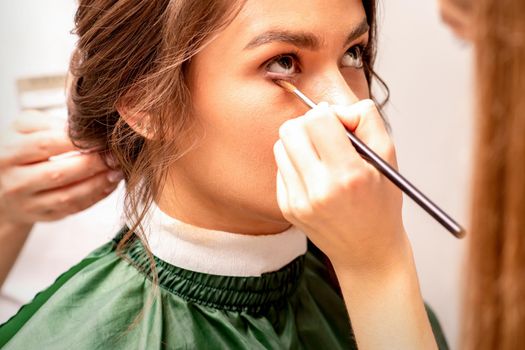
(427, 70)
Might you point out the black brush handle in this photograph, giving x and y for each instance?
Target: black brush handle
(437, 213)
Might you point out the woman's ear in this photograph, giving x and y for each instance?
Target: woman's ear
(140, 122)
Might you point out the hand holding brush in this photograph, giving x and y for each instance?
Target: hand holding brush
(388, 171)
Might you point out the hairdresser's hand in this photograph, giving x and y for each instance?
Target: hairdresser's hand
(353, 214)
(34, 188)
(347, 208)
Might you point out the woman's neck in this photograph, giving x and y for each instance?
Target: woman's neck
(198, 209)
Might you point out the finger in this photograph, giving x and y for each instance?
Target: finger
(371, 128)
(299, 151)
(282, 194)
(72, 199)
(37, 146)
(31, 121)
(297, 197)
(350, 115)
(45, 176)
(283, 201)
(329, 137)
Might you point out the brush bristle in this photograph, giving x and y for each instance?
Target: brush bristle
(285, 85)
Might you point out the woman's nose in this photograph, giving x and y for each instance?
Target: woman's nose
(333, 88)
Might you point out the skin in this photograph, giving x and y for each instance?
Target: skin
(239, 136)
(34, 188)
(263, 161)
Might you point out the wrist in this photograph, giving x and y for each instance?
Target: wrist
(8, 226)
(385, 259)
(386, 306)
(12, 238)
(383, 298)
(399, 274)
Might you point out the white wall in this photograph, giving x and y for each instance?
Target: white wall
(428, 74)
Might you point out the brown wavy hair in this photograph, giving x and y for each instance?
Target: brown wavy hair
(136, 54)
(494, 314)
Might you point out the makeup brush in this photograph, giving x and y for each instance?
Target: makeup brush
(373, 158)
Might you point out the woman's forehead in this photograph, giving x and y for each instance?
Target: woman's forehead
(325, 18)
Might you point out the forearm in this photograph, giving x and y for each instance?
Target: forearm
(12, 239)
(386, 309)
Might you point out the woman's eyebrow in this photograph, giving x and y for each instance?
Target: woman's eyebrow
(306, 40)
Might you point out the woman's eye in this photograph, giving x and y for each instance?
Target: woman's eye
(353, 57)
(283, 64)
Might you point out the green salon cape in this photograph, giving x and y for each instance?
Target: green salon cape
(108, 301)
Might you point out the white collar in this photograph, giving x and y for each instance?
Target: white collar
(219, 252)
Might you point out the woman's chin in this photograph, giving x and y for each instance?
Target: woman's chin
(276, 215)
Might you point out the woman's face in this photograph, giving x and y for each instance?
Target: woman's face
(228, 180)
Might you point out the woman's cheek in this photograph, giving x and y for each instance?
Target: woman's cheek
(356, 80)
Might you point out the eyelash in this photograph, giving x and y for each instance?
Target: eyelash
(294, 55)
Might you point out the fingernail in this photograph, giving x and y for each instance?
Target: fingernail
(115, 176)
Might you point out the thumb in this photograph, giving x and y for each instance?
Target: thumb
(364, 119)
(351, 115)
